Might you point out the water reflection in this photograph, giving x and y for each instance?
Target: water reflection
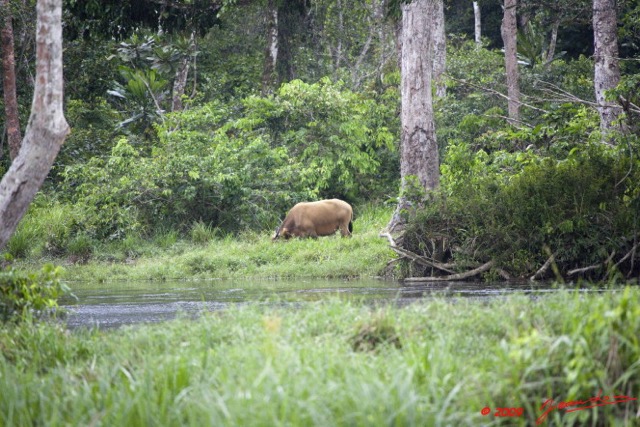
(115, 304)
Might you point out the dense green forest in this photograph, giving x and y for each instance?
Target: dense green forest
(183, 118)
(196, 124)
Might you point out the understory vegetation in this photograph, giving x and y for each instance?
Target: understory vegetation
(142, 178)
(439, 362)
(534, 216)
(205, 253)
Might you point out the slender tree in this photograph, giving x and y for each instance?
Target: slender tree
(419, 164)
(607, 69)
(440, 49)
(477, 23)
(509, 32)
(182, 72)
(47, 127)
(9, 82)
(269, 75)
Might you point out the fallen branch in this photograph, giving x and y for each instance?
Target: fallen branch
(504, 274)
(583, 269)
(591, 267)
(459, 276)
(544, 268)
(631, 252)
(425, 262)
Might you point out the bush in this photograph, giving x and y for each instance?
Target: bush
(26, 294)
(48, 227)
(518, 209)
(241, 170)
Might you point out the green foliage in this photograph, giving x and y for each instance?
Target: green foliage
(376, 332)
(593, 351)
(339, 136)
(202, 233)
(532, 45)
(515, 208)
(47, 228)
(259, 364)
(239, 171)
(25, 294)
(92, 127)
(206, 252)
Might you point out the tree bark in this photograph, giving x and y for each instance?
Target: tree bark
(47, 127)
(12, 119)
(180, 81)
(269, 74)
(478, 23)
(338, 51)
(607, 69)
(419, 164)
(440, 49)
(551, 52)
(509, 32)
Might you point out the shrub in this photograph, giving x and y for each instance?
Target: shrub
(201, 232)
(242, 170)
(25, 294)
(517, 209)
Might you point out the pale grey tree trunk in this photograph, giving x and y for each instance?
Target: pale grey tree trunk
(12, 120)
(551, 52)
(419, 164)
(269, 71)
(509, 32)
(47, 127)
(440, 49)
(607, 69)
(338, 53)
(478, 23)
(180, 84)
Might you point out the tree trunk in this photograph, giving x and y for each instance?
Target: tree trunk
(398, 31)
(269, 74)
(291, 28)
(607, 69)
(478, 23)
(12, 119)
(47, 127)
(551, 52)
(440, 49)
(179, 84)
(509, 37)
(419, 165)
(180, 81)
(338, 51)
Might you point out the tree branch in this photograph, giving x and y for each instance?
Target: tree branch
(460, 276)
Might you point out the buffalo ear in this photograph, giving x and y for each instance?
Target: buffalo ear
(276, 234)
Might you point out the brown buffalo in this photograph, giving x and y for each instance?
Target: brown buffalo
(313, 219)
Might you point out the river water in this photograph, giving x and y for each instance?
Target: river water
(107, 305)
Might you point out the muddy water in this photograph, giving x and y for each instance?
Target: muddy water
(107, 305)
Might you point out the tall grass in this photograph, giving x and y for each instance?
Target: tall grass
(204, 254)
(436, 363)
(43, 231)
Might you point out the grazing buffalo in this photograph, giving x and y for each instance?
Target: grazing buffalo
(313, 219)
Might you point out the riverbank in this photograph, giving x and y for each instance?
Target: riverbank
(205, 255)
(440, 362)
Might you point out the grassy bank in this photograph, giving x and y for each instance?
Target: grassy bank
(334, 363)
(202, 253)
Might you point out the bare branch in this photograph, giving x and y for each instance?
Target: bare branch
(495, 92)
(460, 276)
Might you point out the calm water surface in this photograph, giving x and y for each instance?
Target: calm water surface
(114, 304)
